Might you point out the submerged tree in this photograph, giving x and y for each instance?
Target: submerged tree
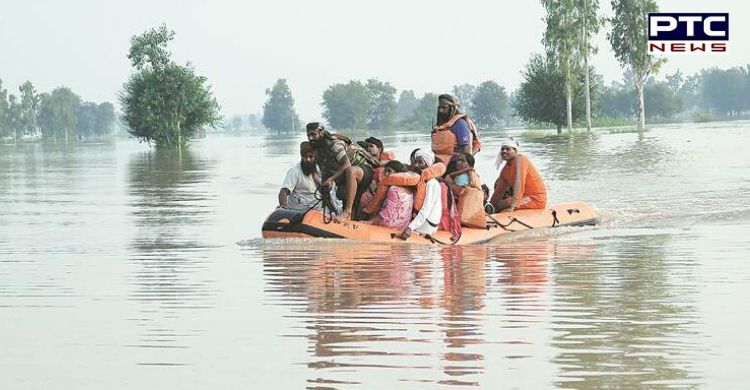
(382, 97)
(59, 113)
(278, 111)
(629, 42)
(407, 102)
(28, 109)
(163, 102)
(541, 97)
(4, 111)
(346, 106)
(490, 103)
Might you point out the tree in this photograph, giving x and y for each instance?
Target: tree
(465, 93)
(628, 40)
(727, 90)
(346, 106)
(382, 104)
(29, 104)
(407, 102)
(95, 120)
(590, 25)
(163, 102)
(560, 39)
(105, 119)
(425, 115)
(490, 103)
(86, 126)
(58, 113)
(14, 117)
(4, 111)
(278, 111)
(616, 101)
(541, 97)
(662, 101)
(253, 122)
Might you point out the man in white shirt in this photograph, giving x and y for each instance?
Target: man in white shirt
(302, 180)
(428, 219)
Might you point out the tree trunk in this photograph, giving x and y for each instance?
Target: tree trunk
(586, 67)
(568, 97)
(559, 129)
(588, 91)
(179, 135)
(641, 106)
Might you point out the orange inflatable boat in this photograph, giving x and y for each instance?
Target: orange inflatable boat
(298, 223)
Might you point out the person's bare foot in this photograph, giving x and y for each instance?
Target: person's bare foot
(344, 217)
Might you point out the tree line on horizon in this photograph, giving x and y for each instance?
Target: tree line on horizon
(167, 104)
(58, 115)
(541, 100)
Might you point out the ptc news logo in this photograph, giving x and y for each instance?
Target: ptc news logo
(688, 32)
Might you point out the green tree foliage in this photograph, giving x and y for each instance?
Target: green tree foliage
(346, 106)
(58, 113)
(382, 96)
(425, 115)
(254, 122)
(163, 102)
(29, 104)
(105, 119)
(14, 118)
(4, 111)
(541, 97)
(95, 120)
(628, 39)
(616, 101)
(490, 104)
(465, 93)
(407, 103)
(727, 91)
(663, 102)
(561, 40)
(278, 111)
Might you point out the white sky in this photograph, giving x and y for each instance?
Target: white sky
(243, 47)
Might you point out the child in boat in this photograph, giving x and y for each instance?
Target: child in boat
(464, 175)
(466, 186)
(396, 211)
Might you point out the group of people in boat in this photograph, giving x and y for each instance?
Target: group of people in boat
(437, 190)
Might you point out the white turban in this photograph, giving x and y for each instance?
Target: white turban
(510, 141)
(426, 155)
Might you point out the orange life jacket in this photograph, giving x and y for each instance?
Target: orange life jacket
(444, 142)
(521, 179)
(433, 171)
(387, 156)
(402, 179)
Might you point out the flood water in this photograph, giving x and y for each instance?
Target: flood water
(125, 267)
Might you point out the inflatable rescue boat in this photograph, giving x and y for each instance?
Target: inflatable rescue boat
(284, 223)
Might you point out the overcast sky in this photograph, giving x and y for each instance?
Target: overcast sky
(243, 47)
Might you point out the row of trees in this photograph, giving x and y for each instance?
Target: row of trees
(372, 105)
(541, 99)
(57, 115)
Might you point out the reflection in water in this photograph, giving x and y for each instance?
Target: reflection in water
(367, 307)
(168, 203)
(576, 155)
(106, 251)
(621, 321)
(282, 144)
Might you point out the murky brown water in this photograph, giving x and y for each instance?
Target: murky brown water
(120, 268)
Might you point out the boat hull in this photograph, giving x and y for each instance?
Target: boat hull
(284, 223)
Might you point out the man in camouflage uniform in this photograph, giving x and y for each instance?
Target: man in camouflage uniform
(342, 162)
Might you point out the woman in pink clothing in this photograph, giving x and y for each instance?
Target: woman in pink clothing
(396, 211)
